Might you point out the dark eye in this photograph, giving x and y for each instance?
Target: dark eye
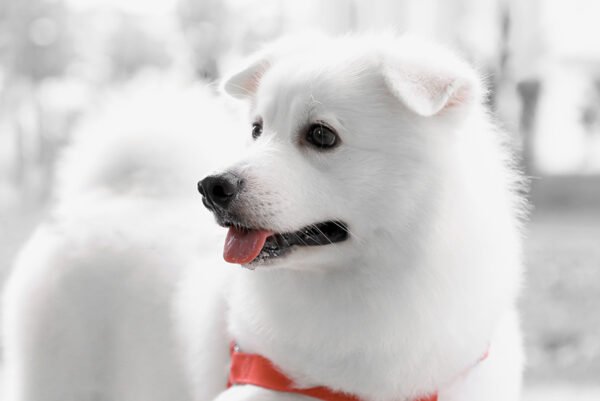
(321, 136)
(256, 130)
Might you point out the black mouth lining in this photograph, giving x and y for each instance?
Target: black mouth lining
(325, 233)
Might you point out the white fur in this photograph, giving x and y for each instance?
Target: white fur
(427, 281)
(424, 286)
(87, 310)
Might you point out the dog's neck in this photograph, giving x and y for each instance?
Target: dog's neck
(366, 323)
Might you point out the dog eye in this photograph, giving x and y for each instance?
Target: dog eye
(321, 136)
(256, 130)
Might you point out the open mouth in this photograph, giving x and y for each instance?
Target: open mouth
(245, 245)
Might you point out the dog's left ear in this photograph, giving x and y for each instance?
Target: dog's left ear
(244, 83)
(428, 90)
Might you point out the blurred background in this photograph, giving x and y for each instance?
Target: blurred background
(62, 60)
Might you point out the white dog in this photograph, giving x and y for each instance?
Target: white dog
(87, 311)
(377, 217)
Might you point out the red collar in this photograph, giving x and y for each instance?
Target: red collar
(259, 371)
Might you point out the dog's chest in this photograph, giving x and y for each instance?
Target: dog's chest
(314, 330)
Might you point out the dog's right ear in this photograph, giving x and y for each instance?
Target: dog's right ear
(430, 80)
(244, 83)
(427, 91)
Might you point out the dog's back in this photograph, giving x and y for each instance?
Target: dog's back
(88, 306)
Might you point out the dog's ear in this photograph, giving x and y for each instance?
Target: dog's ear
(244, 83)
(427, 88)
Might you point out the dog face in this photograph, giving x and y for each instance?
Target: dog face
(345, 150)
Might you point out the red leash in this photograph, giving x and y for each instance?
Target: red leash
(259, 371)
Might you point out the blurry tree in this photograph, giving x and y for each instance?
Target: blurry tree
(34, 45)
(590, 120)
(590, 115)
(204, 27)
(523, 70)
(529, 92)
(34, 41)
(132, 48)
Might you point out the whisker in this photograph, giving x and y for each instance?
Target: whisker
(345, 228)
(320, 231)
(299, 238)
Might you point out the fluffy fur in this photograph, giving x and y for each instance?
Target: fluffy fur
(425, 285)
(87, 310)
(427, 281)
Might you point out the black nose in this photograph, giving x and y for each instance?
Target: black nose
(219, 190)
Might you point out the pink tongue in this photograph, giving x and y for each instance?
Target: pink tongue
(244, 246)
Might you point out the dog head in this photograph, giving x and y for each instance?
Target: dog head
(348, 136)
